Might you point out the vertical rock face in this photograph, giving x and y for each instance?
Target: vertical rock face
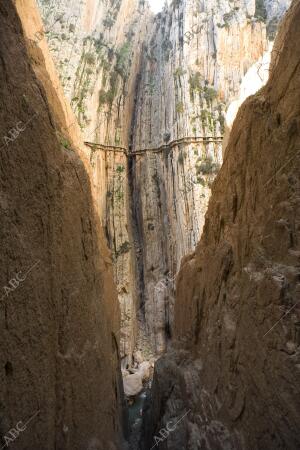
(152, 93)
(232, 378)
(96, 46)
(194, 60)
(59, 312)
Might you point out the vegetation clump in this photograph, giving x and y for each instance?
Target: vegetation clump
(64, 142)
(228, 16)
(108, 21)
(181, 157)
(123, 59)
(207, 167)
(195, 82)
(123, 249)
(179, 72)
(210, 93)
(260, 11)
(167, 47)
(272, 27)
(107, 97)
(90, 58)
(120, 169)
(175, 4)
(179, 108)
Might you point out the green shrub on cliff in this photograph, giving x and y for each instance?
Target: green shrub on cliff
(179, 108)
(123, 59)
(260, 11)
(108, 21)
(210, 93)
(195, 82)
(120, 169)
(207, 167)
(179, 72)
(90, 58)
(124, 248)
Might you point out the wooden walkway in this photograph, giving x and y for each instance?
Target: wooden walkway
(107, 148)
(162, 147)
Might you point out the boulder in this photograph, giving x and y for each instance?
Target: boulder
(133, 384)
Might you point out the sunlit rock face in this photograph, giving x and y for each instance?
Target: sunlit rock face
(60, 378)
(255, 78)
(96, 46)
(197, 59)
(140, 83)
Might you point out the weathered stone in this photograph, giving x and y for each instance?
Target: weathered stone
(133, 384)
(59, 357)
(140, 82)
(235, 312)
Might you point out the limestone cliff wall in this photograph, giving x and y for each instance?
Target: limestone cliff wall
(195, 57)
(232, 378)
(59, 312)
(152, 92)
(96, 46)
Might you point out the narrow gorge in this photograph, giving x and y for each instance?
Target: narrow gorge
(150, 224)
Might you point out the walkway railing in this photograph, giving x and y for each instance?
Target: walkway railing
(176, 142)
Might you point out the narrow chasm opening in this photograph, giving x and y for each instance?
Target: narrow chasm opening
(155, 89)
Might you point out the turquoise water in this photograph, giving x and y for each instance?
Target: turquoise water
(136, 408)
(136, 418)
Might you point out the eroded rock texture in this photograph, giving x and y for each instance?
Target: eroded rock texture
(155, 88)
(59, 313)
(96, 46)
(231, 380)
(194, 59)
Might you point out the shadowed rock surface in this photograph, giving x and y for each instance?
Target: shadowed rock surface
(234, 368)
(58, 311)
